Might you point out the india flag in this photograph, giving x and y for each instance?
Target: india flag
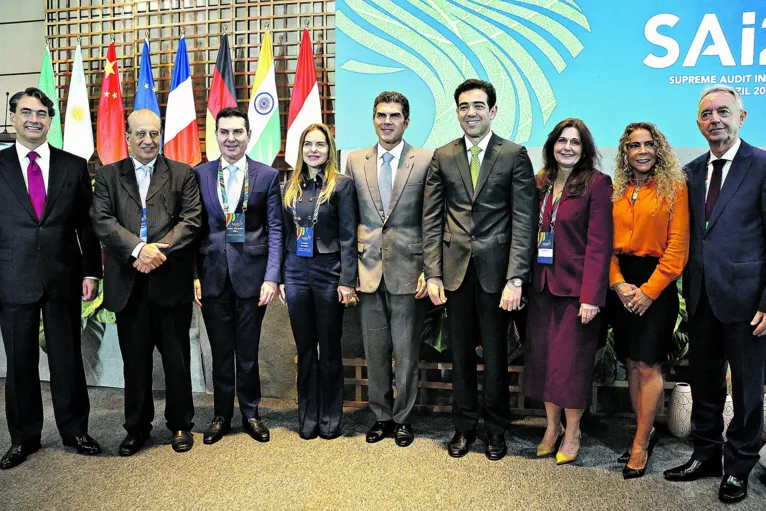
(78, 131)
(263, 111)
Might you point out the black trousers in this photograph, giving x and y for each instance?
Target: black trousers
(20, 324)
(316, 317)
(471, 310)
(711, 345)
(141, 326)
(234, 328)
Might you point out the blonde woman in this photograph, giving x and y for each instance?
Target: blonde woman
(320, 275)
(651, 248)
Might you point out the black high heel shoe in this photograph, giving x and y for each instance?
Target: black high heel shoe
(633, 473)
(624, 457)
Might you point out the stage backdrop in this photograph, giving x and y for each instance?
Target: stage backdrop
(609, 63)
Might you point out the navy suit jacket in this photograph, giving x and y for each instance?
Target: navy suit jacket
(731, 252)
(259, 258)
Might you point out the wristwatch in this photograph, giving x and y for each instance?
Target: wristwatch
(516, 282)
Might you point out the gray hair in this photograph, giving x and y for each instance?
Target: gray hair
(721, 88)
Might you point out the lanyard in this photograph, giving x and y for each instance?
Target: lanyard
(225, 198)
(556, 203)
(314, 219)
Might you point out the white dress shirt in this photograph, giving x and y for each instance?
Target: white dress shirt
(396, 152)
(233, 194)
(482, 145)
(728, 156)
(43, 160)
(137, 165)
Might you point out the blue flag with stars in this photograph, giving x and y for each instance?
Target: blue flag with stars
(146, 92)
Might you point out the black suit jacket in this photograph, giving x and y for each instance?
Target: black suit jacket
(496, 224)
(731, 251)
(174, 216)
(335, 230)
(54, 253)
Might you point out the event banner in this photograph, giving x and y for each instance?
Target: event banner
(609, 63)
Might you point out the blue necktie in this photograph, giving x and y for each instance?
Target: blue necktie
(233, 201)
(385, 181)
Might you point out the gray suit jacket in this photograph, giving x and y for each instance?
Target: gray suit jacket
(495, 224)
(390, 243)
(174, 216)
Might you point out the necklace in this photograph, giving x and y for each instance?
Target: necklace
(638, 183)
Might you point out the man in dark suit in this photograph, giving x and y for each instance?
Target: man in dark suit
(147, 213)
(49, 261)
(389, 179)
(239, 269)
(725, 288)
(479, 227)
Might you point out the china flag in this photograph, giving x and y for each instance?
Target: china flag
(110, 138)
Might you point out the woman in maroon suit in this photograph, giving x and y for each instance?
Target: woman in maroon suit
(569, 283)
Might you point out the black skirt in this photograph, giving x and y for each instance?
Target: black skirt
(647, 338)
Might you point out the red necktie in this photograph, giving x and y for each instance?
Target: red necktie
(714, 189)
(36, 184)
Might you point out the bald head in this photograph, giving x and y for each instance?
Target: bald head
(143, 136)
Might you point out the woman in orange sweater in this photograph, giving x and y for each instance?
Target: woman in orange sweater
(651, 248)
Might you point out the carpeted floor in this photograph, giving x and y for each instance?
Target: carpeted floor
(346, 473)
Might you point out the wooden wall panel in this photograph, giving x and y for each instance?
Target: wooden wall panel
(97, 22)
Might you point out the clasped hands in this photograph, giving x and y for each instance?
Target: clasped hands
(509, 301)
(632, 298)
(150, 257)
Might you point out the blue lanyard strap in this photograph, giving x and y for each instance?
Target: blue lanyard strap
(224, 196)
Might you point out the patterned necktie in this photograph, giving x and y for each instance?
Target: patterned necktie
(475, 164)
(385, 181)
(36, 184)
(230, 184)
(145, 173)
(714, 189)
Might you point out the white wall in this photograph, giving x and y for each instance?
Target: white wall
(22, 40)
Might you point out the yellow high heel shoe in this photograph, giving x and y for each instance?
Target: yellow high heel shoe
(545, 450)
(563, 458)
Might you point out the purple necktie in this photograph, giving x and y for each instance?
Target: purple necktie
(36, 184)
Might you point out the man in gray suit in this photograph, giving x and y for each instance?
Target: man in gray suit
(479, 229)
(389, 179)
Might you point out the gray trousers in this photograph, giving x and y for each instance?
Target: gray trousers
(392, 324)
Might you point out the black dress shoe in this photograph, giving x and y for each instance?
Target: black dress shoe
(379, 431)
(624, 457)
(496, 448)
(633, 473)
(331, 436)
(461, 443)
(17, 454)
(182, 441)
(693, 470)
(312, 436)
(256, 429)
(132, 444)
(83, 443)
(216, 429)
(733, 489)
(403, 435)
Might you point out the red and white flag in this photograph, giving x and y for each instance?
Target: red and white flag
(305, 107)
(181, 135)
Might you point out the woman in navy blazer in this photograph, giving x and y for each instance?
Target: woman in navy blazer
(320, 221)
(569, 283)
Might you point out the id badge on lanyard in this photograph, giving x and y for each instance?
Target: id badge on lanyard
(304, 236)
(235, 222)
(545, 238)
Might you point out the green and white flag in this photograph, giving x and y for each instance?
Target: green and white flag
(263, 111)
(48, 86)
